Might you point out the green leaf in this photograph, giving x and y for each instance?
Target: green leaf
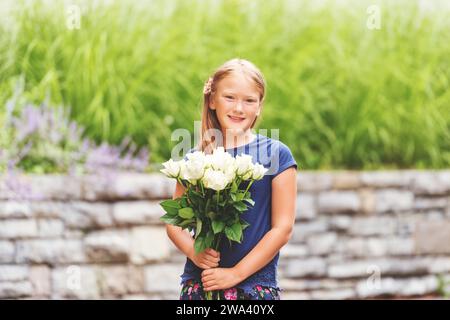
(250, 201)
(248, 195)
(184, 202)
(196, 198)
(234, 232)
(186, 213)
(199, 244)
(207, 204)
(218, 226)
(186, 223)
(212, 215)
(232, 217)
(171, 214)
(198, 194)
(240, 206)
(244, 224)
(209, 239)
(193, 200)
(170, 206)
(237, 196)
(234, 186)
(198, 229)
(168, 218)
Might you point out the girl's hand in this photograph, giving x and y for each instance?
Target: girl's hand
(220, 279)
(206, 259)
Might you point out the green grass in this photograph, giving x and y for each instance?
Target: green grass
(343, 96)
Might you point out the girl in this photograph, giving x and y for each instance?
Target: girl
(233, 99)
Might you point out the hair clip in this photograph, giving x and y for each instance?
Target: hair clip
(207, 86)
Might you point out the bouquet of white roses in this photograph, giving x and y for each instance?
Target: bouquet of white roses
(217, 193)
(214, 199)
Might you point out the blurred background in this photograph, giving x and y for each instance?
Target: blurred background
(357, 97)
(358, 89)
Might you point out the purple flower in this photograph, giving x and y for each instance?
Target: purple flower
(45, 134)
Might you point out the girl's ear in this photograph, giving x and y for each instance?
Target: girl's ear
(211, 103)
(259, 110)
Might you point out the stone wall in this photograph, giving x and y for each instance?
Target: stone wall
(357, 235)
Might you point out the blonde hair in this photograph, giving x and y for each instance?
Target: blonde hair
(209, 117)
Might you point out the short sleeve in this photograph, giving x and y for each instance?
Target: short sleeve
(286, 159)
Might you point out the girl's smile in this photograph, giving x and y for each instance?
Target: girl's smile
(236, 119)
(237, 103)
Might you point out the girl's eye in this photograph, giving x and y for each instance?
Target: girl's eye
(251, 101)
(229, 97)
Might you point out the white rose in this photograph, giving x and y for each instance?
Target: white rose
(196, 156)
(195, 167)
(214, 179)
(172, 168)
(244, 164)
(230, 171)
(182, 169)
(258, 171)
(193, 171)
(220, 159)
(248, 175)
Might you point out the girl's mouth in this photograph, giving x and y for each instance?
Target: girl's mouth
(236, 119)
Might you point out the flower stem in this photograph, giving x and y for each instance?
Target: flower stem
(217, 243)
(187, 195)
(207, 205)
(217, 206)
(181, 182)
(210, 294)
(201, 186)
(248, 187)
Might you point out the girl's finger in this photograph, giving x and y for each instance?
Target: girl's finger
(212, 288)
(211, 258)
(207, 278)
(207, 272)
(211, 264)
(216, 253)
(208, 284)
(204, 266)
(212, 252)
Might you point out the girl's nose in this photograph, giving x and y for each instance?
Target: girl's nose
(239, 105)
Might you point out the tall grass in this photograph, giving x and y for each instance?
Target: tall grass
(343, 96)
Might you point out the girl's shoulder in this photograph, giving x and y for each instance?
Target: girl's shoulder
(276, 145)
(280, 156)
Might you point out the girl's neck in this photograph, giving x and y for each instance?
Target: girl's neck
(235, 141)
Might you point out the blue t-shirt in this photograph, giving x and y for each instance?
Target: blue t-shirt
(277, 157)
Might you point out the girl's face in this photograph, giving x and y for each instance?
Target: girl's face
(236, 102)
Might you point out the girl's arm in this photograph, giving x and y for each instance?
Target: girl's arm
(185, 243)
(284, 194)
(182, 240)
